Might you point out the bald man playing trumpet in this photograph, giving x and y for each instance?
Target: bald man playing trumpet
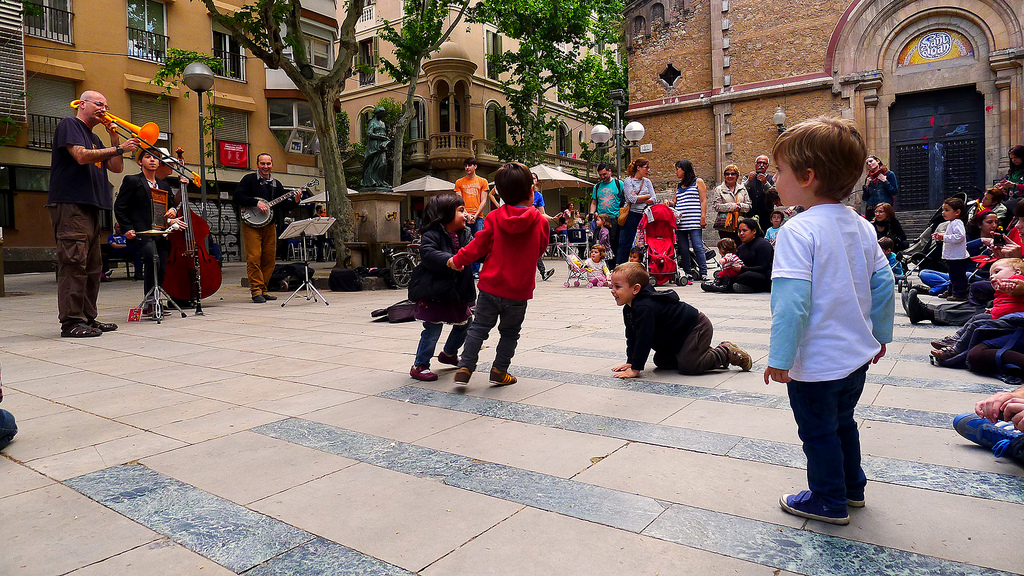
(79, 189)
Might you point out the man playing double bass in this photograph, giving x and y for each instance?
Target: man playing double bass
(257, 189)
(141, 199)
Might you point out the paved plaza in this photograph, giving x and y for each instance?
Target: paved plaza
(276, 441)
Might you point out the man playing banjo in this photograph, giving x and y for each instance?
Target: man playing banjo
(258, 190)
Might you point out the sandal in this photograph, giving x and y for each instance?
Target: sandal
(103, 326)
(80, 331)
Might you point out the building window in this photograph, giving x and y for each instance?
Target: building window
(639, 26)
(367, 61)
(291, 121)
(658, 14)
(495, 129)
(444, 117)
(564, 140)
(492, 47)
(364, 122)
(418, 124)
(47, 105)
(147, 26)
(318, 51)
(230, 54)
(146, 108)
(52, 20)
(669, 75)
(232, 137)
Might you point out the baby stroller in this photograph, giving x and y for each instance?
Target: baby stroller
(565, 247)
(657, 233)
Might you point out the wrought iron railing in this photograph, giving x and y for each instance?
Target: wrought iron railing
(41, 129)
(49, 23)
(367, 78)
(147, 45)
(233, 64)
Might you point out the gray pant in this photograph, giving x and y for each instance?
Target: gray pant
(489, 310)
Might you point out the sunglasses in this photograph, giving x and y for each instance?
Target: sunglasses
(732, 173)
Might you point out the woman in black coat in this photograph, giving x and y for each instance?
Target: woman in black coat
(757, 255)
(887, 226)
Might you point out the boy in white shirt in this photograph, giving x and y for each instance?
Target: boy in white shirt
(833, 305)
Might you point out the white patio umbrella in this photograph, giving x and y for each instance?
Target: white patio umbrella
(426, 185)
(322, 197)
(551, 178)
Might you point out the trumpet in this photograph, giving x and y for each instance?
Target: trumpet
(148, 133)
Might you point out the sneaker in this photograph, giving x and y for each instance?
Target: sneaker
(462, 376)
(944, 342)
(709, 287)
(269, 297)
(548, 274)
(996, 436)
(956, 298)
(502, 378)
(259, 299)
(946, 353)
(737, 356)
(854, 502)
(914, 308)
(450, 359)
(807, 505)
(743, 289)
(422, 373)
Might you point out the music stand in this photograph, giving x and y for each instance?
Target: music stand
(157, 292)
(303, 229)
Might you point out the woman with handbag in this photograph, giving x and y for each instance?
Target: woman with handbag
(639, 193)
(442, 295)
(731, 199)
(691, 209)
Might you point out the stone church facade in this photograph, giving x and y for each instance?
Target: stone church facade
(935, 86)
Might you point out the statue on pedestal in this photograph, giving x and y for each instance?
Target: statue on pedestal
(377, 142)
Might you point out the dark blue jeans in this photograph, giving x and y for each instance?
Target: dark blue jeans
(824, 419)
(7, 428)
(627, 234)
(477, 226)
(489, 310)
(432, 333)
(958, 271)
(687, 239)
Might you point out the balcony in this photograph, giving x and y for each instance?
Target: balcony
(484, 151)
(367, 78)
(417, 150)
(147, 46)
(448, 150)
(41, 129)
(576, 166)
(367, 15)
(233, 64)
(50, 23)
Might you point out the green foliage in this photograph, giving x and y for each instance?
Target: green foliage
(423, 30)
(344, 127)
(168, 76)
(560, 48)
(9, 130)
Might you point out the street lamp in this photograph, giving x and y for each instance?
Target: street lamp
(780, 119)
(199, 78)
(633, 133)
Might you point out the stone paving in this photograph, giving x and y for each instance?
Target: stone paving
(277, 441)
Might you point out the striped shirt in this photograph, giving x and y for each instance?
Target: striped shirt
(634, 188)
(688, 207)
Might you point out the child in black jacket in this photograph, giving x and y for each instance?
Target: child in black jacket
(442, 295)
(677, 332)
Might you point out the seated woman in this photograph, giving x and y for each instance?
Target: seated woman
(757, 255)
(887, 226)
(991, 200)
(982, 225)
(1013, 182)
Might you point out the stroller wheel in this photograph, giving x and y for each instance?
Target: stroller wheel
(680, 281)
(566, 283)
(576, 283)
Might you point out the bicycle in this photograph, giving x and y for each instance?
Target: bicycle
(400, 264)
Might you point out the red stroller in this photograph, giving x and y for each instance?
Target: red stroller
(657, 233)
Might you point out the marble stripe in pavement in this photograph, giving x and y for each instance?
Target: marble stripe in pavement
(644, 385)
(988, 485)
(948, 385)
(753, 540)
(231, 535)
(756, 330)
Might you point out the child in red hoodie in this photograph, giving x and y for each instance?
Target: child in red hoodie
(513, 238)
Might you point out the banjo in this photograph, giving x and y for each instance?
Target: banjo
(255, 218)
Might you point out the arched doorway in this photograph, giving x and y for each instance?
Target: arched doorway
(937, 143)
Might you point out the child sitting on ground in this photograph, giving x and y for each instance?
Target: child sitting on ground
(597, 270)
(777, 217)
(833, 306)
(513, 238)
(678, 333)
(886, 244)
(729, 261)
(1007, 277)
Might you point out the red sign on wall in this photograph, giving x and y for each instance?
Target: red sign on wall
(234, 154)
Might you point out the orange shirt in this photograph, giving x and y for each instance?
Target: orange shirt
(471, 190)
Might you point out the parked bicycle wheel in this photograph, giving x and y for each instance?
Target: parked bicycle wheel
(401, 269)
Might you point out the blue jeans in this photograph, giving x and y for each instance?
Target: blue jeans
(477, 226)
(489, 308)
(432, 333)
(695, 239)
(825, 424)
(627, 234)
(8, 428)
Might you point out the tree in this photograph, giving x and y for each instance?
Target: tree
(561, 48)
(423, 32)
(272, 31)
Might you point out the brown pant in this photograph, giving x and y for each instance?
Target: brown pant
(260, 255)
(697, 356)
(79, 261)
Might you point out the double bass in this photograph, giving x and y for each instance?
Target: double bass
(192, 274)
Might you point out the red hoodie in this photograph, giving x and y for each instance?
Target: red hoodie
(513, 239)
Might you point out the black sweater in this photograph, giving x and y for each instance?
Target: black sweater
(436, 281)
(757, 255)
(133, 207)
(656, 320)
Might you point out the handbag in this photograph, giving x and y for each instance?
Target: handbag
(727, 221)
(624, 213)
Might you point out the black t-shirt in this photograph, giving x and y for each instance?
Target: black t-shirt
(71, 182)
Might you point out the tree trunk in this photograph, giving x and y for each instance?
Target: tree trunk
(403, 123)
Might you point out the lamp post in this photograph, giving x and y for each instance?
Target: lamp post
(633, 132)
(199, 78)
(780, 119)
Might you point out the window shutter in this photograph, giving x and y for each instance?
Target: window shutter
(50, 97)
(150, 109)
(234, 126)
(497, 44)
(12, 61)
(376, 52)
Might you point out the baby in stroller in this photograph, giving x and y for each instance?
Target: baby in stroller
(596, 268)
(657, 234)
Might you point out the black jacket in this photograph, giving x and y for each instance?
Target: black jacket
(432, 278)
(656, 320)
(760, 206)
(757, 255)
(892, 229)
(133, 207)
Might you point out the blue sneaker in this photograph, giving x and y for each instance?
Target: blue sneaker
(807, 505)
(996, 436)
